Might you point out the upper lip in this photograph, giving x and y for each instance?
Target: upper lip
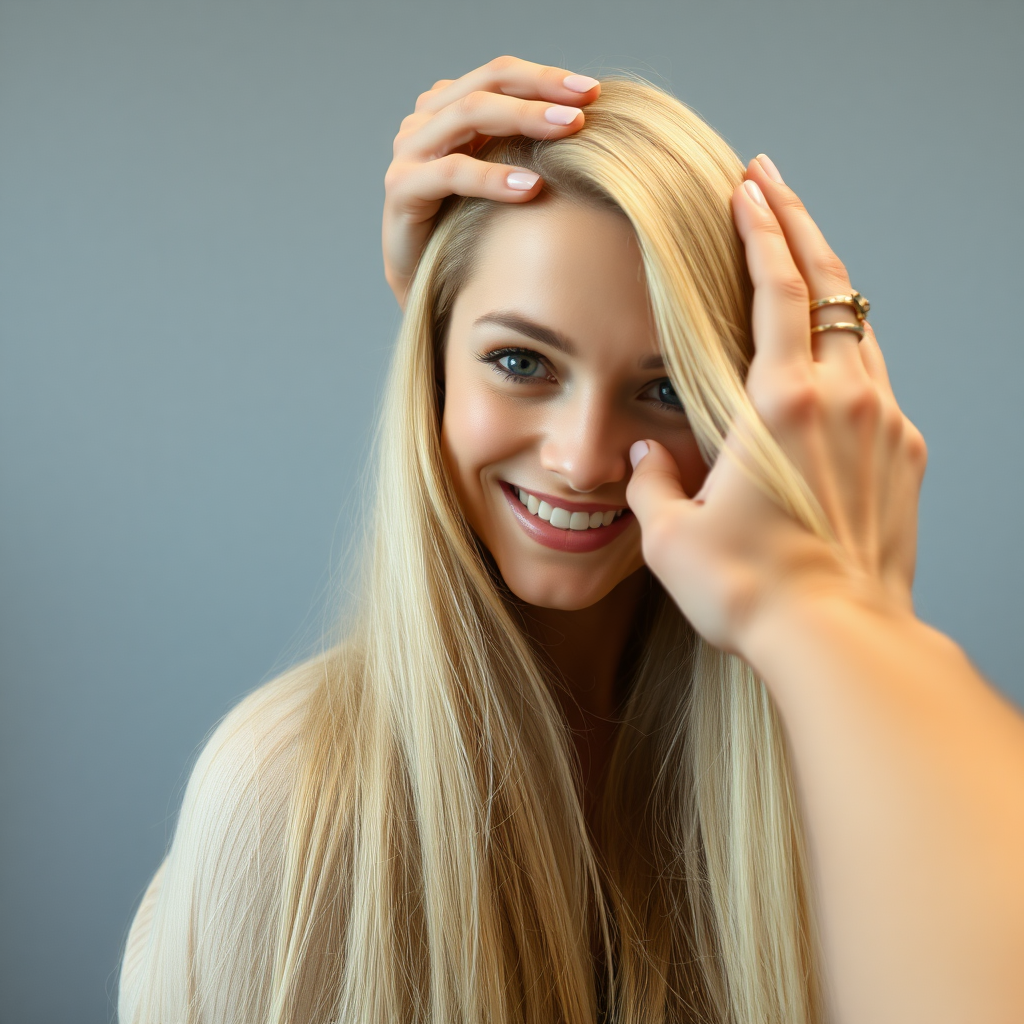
(570, 506)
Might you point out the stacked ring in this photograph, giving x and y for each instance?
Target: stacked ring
(840, 326)
(860, 305)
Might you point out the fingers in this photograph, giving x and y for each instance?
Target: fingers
(656, 485)
(873, 360)
(514, 77)
(819, 266)
(434, 151)
(478, 113)
(415, 187)
(823, 271)
(780, 319)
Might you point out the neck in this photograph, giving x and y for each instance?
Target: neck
(585, 649)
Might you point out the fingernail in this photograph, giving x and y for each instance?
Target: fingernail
(770, 169)
(579, 83)
(637, 450)
(561, 115)
(755, 193)
(522, 181)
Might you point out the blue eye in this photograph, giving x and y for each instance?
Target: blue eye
(662, 391)
(522, 364)
(518, 365)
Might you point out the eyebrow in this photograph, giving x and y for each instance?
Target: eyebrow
(546, 336)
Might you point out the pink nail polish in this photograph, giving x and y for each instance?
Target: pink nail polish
(637, 451)
(755, 193)
(579, 83)
(769, 168)
(521, 181)
(561, 115)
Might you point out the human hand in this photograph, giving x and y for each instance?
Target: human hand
(730, 555)
(433, 151)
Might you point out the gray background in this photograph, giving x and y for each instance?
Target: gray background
(194, 325)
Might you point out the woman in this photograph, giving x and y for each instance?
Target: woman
(532, 783)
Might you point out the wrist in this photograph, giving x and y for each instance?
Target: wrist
(811, 609)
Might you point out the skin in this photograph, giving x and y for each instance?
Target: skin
(565, 431)
(909, 767)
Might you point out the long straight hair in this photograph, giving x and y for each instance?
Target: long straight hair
(439, 864)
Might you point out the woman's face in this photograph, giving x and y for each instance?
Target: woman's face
(552, 371)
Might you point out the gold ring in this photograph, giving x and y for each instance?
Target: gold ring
(860, 305)
(853, 328)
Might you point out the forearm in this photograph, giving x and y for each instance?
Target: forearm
(910, 770)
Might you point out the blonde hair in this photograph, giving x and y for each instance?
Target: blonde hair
(439, 867)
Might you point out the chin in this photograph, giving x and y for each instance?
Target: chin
(558, 590)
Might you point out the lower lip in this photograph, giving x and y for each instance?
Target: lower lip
(574, 541)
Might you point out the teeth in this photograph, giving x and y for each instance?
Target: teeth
(562, 519)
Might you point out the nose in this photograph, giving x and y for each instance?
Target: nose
(586, 442)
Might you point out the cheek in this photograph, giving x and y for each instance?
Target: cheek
(477, 430)
(692, 468)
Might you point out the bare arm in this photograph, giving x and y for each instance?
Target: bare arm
(910, 770)
(909, 766)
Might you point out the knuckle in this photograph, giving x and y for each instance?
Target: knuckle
(830, 266)
(504, 63)
(410, 123)
(893, 422)
(789, 200)
(791, 287)
(526, 110)
(915, 446)
(768, 226)
(490, 173)
(863, 404)
(449, 168)
(471, 103)
(795, 402)
(393, 177)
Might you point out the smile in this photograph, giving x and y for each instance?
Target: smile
(575, 527)
(561, 518)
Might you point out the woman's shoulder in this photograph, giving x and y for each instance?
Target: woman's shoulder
(236, 801)
(243, 778)
(261, 732)
(218, 890)
(253, 746)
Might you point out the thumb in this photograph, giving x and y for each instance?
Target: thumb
(655, 483)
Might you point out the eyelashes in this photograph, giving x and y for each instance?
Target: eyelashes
(519, 359)
(533, 369)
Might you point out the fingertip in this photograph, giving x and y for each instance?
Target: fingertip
(767, 166)
(521, 181)
(637, 451)
(754, 193)
(580, 83)
(561, 115)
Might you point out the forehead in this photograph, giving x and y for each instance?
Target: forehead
(572, 267)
